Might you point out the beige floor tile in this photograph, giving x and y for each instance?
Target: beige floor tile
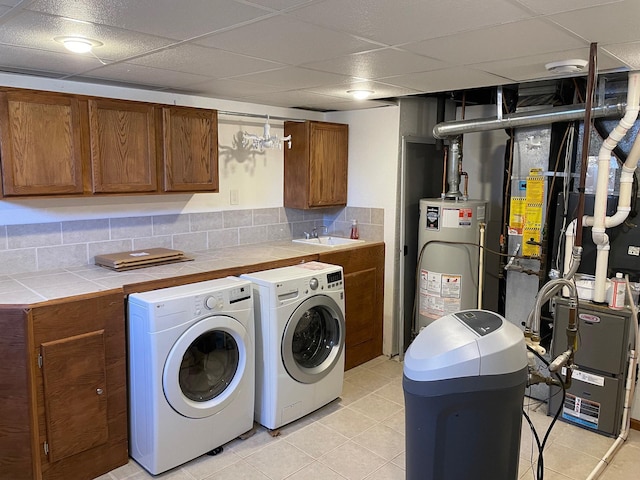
(572, 463)
(387, 472)
(352, 461)
(328, 409)
(279, 460)
(625, 464)
(392, 391)
(316, 439)
(396, 421)
(368, 380)
(348, 422)
(586, 441)
(388, 368)
(239, 470)
(382, 441)
(376, 407)
(126, 471)
(316, 471)
(351, 393)
(257, 441)
(207, 465)
(400, 461)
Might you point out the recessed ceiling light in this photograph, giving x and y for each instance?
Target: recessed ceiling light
(360, 94)
(78, 44)
(566, 66)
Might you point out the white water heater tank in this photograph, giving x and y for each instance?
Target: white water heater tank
(448, 270)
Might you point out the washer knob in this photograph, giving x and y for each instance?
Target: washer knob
(210, 303)
(313, 283)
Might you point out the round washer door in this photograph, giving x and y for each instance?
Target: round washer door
(205, 366)
(313, 339)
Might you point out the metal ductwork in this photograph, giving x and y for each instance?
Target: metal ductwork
(525, 119)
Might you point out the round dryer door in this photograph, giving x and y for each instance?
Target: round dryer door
(313, 339)
(205, 366)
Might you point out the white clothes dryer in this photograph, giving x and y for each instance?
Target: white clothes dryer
(300, 332)
(191, 370)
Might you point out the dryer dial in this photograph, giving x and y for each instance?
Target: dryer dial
(213, 303)
(313, 283)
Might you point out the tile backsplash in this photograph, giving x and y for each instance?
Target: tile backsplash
(47, 246)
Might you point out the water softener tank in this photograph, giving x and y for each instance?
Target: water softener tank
(464, 381)
(448, 280)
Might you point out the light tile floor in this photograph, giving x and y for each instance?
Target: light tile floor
(361, 436)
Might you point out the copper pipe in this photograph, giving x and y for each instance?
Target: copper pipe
(591, 83)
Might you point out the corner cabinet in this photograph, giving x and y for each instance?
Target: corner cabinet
(66, 145)
(63, 391)
(364, 290)
(40, 143)
(315, 168)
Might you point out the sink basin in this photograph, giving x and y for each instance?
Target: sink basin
(327, 241)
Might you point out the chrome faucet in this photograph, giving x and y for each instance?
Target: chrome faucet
(314, 233)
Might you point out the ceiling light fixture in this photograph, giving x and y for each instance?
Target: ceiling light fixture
(78, 44)
(266, 141)
(566, 66)
(360, 94)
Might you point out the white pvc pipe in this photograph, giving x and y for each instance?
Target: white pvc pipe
(600, 238)
(481, 266)
(628, 399)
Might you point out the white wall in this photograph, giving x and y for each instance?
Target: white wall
(373, 167)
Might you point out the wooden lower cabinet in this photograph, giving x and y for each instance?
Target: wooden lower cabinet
(364, 290)
(63, 401)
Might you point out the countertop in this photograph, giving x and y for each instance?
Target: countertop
(43, 286)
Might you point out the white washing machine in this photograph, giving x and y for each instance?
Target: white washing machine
(300, 332)
(191, 370)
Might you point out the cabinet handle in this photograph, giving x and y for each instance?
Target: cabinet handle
(99, 391)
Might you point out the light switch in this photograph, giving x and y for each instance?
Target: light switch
(234, 197)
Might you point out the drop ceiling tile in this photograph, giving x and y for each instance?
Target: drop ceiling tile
(615, 23)
(290, 78)
(629, 53)
(164, 18)
(401, 21)
(286, 40)
(380, 90)
(529, 68)
(529, 37)
(231, 88)
(10, 3)
(378, 63)
(139, 74)
(448, 79)
(295, 98)
(20, 58)
(37, 30)
(547, 7)
(280, 5)
(199, 60)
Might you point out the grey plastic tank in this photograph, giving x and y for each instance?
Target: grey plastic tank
(464, 380)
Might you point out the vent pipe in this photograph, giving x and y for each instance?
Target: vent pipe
(566, 113)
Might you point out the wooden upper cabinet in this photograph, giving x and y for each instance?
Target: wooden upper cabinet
(315, 168)
(40, 143)
(123, 146)
(190, 149)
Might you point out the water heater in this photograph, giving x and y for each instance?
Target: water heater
(449, 232)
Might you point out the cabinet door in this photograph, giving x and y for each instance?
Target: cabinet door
(328, 164)
(364, 290)
(190, 149)
(123, 146)
(40, 143)
(74, 377)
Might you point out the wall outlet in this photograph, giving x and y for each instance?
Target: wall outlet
(234, 197)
